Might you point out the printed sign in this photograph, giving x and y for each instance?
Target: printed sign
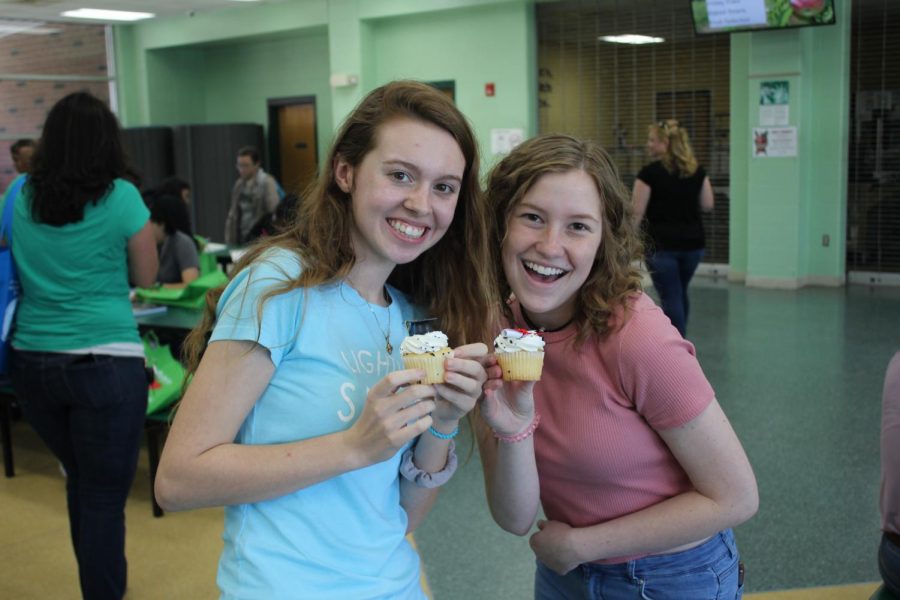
(769, 142)
(774, 103)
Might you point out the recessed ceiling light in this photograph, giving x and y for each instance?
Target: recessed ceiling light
(631, 38)
(99, 14)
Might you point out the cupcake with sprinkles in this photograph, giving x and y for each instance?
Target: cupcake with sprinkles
(427, 352)
(520, 353)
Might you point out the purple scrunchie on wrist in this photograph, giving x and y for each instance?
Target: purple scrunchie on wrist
(423, 479)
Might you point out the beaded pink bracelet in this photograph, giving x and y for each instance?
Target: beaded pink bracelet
(523, 435)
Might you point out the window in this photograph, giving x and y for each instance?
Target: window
(873, 187)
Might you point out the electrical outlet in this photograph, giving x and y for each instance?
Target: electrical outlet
(826, 240)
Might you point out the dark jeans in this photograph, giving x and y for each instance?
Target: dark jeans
(889, 564)
(671, 271)
(89, 410)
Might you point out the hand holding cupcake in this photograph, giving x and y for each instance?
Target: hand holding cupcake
(427, 352)
(520, 353)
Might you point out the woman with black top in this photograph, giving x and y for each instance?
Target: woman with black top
(670, 192)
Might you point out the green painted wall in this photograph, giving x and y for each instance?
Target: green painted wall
(223, 66)
(134, 44)
(470, 47)
(228, 83)
(739, 157)
(175, 96)
(828, 59)
(240, 77)
(781, 207)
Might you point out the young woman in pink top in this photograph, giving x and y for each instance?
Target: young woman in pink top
(638, 470)
(889, 549)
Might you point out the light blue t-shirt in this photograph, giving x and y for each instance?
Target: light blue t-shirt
(344, 537)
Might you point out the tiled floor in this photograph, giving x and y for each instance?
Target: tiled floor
(799, 373)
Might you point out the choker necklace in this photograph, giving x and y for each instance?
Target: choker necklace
(386, 333)
(543, 329)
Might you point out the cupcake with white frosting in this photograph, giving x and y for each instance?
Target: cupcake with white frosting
(520, 353)
(427, 352)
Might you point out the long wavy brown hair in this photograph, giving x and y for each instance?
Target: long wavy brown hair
(679, 158)
(451, 279)
(615, 274)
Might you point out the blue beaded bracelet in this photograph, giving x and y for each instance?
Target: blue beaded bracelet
(443, 436)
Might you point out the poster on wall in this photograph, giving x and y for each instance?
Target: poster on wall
(774, 103)
(504, 140)
(769, 142)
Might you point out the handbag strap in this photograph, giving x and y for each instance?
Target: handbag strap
(6, 223)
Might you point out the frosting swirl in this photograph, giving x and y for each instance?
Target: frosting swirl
(518, 340)
(424, 343)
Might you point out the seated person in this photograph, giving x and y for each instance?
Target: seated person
(179, 262)
(889, 550)
(175, 186)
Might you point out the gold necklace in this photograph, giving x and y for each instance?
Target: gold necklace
(387, 334)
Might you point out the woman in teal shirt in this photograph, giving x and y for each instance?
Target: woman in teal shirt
(80, 232)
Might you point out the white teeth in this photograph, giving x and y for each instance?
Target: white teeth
(407, 230)
(542, 270)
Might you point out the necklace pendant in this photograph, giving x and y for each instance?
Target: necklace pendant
(388, 346)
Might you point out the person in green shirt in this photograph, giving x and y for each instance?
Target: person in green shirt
(80, 234)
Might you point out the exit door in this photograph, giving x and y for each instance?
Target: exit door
(292, 142)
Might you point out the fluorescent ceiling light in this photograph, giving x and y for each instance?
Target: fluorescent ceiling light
(99, 14)
(26, 27)
(631, 38)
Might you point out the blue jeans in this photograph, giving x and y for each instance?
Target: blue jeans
(671, 271)
(707, 572)
(89, 410)
(889, 564)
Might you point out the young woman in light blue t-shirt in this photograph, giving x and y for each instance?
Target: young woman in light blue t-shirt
(301, 419)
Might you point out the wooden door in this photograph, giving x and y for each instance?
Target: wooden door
(297, 151)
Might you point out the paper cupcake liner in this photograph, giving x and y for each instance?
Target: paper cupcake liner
(432, 364)
(521, 366)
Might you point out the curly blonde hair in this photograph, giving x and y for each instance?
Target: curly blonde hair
(450, 279)
(679, 158)
(614, 276)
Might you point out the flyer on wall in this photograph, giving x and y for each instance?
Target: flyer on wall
(771, 142)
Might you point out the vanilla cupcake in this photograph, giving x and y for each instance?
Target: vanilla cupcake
(426, 352)
(520, 353)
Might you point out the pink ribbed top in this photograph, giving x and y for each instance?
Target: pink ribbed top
(890, 449)
(598, 454)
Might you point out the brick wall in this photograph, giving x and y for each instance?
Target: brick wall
(73, 51)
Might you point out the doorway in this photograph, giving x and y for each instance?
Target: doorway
(448, 88)
(292, 142)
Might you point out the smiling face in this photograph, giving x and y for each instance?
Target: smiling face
(403, 193)
(551, 242)
(656, 147)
